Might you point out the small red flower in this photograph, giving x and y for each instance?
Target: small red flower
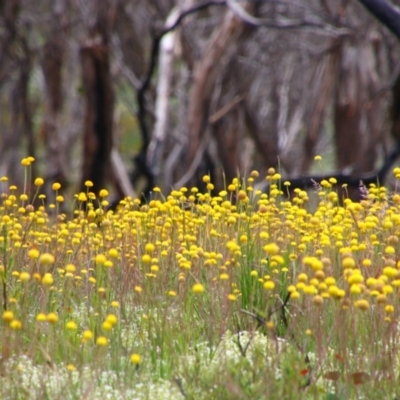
(304, 372)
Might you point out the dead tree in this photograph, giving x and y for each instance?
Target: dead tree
(52, 59)
(99, 97)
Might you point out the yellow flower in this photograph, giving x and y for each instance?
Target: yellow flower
(24, 276)
(146, 259)
(70, 268)
(52, 318)
(56, 186)
(348, 262)
(198, 288)
(103, 193)
(71, 326)
(362, 305)
(100, 259)
(46, 259)
(106, 325)
(102, 341)
(269, 285)
(87, 334)
(271, 248)
(113, 253)
(33, 253)
(389, 250)
(41, 317)
(39, 182)
(112, 319)
(8, 316)
(82, 197)
(136, 359)
(149, 248)
(15, 324)
(47, 279)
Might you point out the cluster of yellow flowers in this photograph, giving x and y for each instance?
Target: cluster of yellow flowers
(195, 243)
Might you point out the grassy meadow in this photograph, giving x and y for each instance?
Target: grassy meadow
(243, 295)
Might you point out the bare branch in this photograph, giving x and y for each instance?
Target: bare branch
(242, 14)
(385, 12)
(225, 109)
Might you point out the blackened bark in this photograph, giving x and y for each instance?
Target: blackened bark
(99, 98)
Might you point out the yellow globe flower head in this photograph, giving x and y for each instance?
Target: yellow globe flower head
(113, 253)
(149, 248)
(106, 326)
(362, 305)
(24, 276)
(47, 279)
(15, 324)
(82, 197)
(87, 335)
(102, 341)
(33, 253)
(52, 318)
(71, 326)
(100, 259)
(8, 316)
(103, 193)
(56, 186)
(70, 268)
(46, 259)
(112, 319)
(271, 248)
(41, 317)
(269, 285)
(39, 182)
(198, 288)
(136, 359)
(390, 250)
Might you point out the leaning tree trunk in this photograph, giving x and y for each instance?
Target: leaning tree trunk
(321, 86)
(205, 73)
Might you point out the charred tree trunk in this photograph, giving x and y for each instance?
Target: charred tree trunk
(98, 120)
(395, 111)
(9, 11)
(52, 63)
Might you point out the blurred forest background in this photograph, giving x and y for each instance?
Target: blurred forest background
(137, 93)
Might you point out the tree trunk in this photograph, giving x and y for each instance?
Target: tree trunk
(52, 63)
(205, 74)
(98, 120)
